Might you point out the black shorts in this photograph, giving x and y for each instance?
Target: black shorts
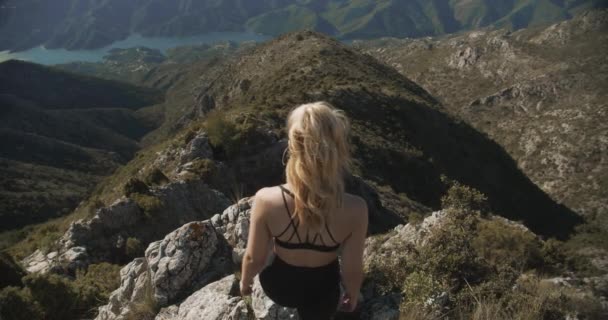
(314, 292)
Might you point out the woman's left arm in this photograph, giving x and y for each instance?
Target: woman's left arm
(258, 244)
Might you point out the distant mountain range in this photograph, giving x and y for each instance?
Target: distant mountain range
(75, 24)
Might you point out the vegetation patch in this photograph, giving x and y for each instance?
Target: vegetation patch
(53, 297)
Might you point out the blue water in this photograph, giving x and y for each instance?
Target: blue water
(56, 56)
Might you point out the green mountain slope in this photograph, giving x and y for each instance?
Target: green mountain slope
(61, 133)
(73, 24)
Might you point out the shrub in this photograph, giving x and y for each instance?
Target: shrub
(58, 298)
(465, 198)
(149, 204)
(418, 288)
(135, 185)
(221, 131)
(156, 177)
(535, 299)
(503, 245)
(134, 248)
(415, 218)
(448, 253)
(17, 304)
(228, 137)
(103, 278)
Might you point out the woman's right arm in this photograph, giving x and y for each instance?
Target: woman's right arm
(352, 257)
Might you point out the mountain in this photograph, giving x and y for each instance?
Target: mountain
(61, 133)
(74, 24)
(223, 124)
(221, 139)
(538, 92)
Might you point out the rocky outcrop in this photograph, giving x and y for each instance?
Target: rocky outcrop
(104, 237)
(216, 301)
(233, 225)
(184, 261)
(197, 147)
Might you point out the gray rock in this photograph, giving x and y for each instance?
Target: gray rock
(213, 302)
(102, 237)
(180, 259)
(168, 313)
(233, 224)
(38, 262)
(186, 260)
(197, 148)
(133, 290)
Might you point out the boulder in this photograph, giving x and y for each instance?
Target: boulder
(233, 224)
(197, 148)
(186, 260)
(215, 301)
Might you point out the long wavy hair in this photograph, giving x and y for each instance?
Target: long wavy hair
(319, 157)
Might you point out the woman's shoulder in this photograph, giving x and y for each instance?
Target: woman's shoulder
(269, 196)
(355, 204)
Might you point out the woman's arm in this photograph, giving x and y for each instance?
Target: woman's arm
(257, 244)
(352, 258)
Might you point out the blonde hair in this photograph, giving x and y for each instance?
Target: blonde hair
(318, 159)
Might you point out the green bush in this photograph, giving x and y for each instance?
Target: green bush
(59, 298)
(17, 304)
(535, 299)
(415, 218)
(221, 131)
(507, 246)
(419, 287)
(465, 198)
(230, 137)
(134, 248)
(448, 253)
(149, 204)
(103, 278)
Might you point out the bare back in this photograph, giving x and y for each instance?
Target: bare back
(338, 230)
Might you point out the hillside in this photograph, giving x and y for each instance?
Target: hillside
(72, 24)
(61, 134)
(538, 92)
(224, 125)
(166, 216)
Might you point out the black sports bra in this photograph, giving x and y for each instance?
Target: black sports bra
(310, 245)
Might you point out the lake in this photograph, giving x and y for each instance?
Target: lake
(56, 56)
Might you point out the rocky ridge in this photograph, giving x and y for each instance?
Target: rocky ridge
(144, 280)
(539, 92)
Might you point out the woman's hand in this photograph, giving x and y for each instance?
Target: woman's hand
(245, 288)
(347, 304)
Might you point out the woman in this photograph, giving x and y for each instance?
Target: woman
(310, 220)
